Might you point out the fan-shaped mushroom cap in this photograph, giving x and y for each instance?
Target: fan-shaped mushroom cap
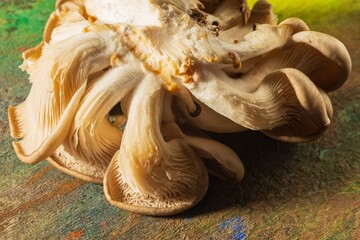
(44, 119)
(297, 24)
(148, 175)
(220, 160)
(138, 13)
(93, 140)
(282, 99)
(71, 11)
(324, 59)
(66, 11)
(335, 64)
(308, 118)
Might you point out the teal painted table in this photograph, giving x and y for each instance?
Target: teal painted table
(304, 191)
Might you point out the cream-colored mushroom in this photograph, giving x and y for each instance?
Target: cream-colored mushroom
(208, 119)
(282, 97)
(93, 140)
(174, 67)
(66, 11)
(138, 13)
(148, 175)
(58, 83)
(220, 160)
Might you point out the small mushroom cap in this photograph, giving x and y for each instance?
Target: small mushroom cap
(336, 66)
(311, 118)
(66, 11)
(116, 193)
(93, 140)
(220, 160)
(297, 24)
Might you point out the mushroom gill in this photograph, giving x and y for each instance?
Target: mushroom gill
(174, 67)
(58, 83)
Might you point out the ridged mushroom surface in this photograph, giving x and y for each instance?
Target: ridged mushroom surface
(121, 92)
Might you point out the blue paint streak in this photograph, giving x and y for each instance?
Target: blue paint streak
(237, 225)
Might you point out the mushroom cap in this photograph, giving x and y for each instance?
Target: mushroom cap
(115, 193)
(150, 175)
(139, 12)
(65, 162)
(66, 11)
(284, 97)
(311, 118)
(42, 121)
(298, 24)
(220, 160)
(336, 66)
(208, 119)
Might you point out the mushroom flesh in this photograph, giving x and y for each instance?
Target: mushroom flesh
(121, 92)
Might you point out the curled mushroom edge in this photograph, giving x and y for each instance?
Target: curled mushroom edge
(122, 98)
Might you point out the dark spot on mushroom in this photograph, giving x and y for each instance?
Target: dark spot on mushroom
(254, 27)
(198, 16)
(116, 110)
(236, 41)
(236, 60)
(197, 111)
(195, 13)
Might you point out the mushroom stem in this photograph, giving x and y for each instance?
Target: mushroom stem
(92, 138)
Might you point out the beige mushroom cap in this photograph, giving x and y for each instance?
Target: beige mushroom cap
(149, 175)
(336, 66)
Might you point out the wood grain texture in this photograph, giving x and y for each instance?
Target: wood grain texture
(291, 191)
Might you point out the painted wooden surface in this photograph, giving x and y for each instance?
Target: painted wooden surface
(303, 191)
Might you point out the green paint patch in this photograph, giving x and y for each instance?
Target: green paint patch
(350, 113)
(22, 23)
(313, 11)
(352, 187)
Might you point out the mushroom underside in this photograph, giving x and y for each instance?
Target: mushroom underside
(170, 69)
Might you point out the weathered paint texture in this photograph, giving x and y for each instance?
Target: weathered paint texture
(303, 191)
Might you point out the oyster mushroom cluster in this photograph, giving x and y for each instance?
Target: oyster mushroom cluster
(122, 89)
